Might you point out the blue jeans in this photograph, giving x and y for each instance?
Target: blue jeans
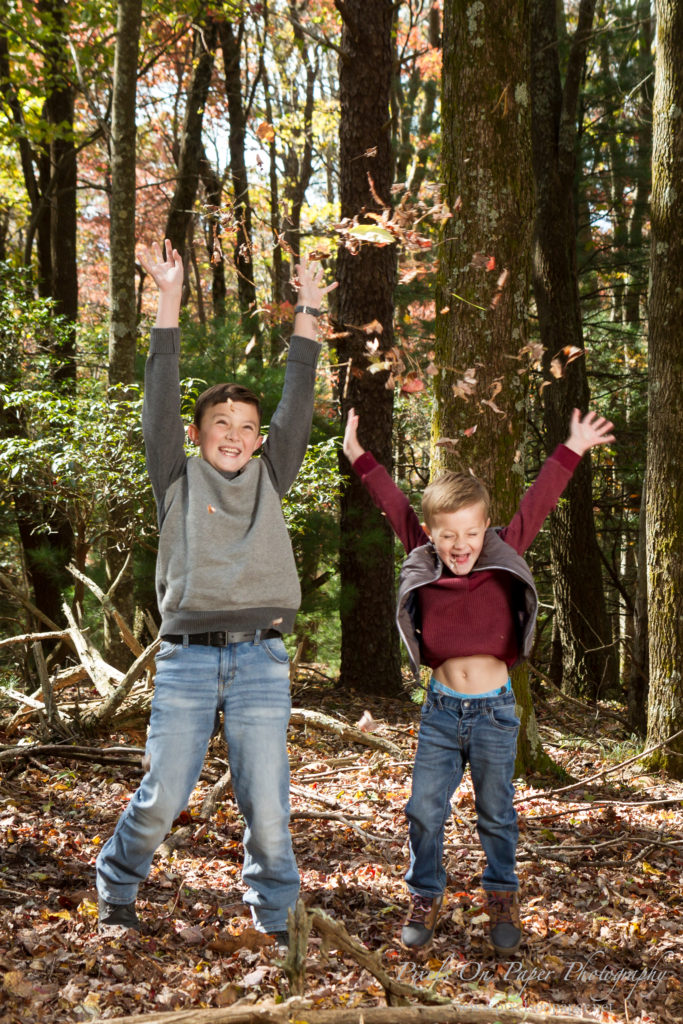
(453, 732)
(249, 682)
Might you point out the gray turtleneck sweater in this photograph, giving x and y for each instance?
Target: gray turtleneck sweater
(225, 559)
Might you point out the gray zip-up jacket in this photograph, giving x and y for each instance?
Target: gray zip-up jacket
(225, 559)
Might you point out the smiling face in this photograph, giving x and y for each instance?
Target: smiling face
(228, 435)
(459, 536)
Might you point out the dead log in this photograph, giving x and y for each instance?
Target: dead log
(105, 712)
(108, 605)
(298, 1010)
(54, 720)
(104, 676)
(325, 723)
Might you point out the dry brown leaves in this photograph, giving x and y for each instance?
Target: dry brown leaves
(600, 881)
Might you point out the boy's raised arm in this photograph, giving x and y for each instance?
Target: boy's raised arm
(163, 428)
(389, 498)
(585, 432)
(290, 425)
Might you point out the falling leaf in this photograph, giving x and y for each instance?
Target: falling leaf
(480, 261)
(265, 132)
(449, 443)
(372, 346)
(563, 358)
(317, 255)
(431, 370)
(366, 723)
(492, 405)
(374, 327)
(470, 431)
(250, 345)
(210, 509)
(372, 233)
(412, 385)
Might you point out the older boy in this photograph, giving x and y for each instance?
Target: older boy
(227, 589)
(467, 608)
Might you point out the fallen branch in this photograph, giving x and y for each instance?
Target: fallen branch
(324, 723)
(105, 711)
(573, 700)
(108, 605)
(334, 932)
(294, 1010)
(97, 755)
(104, 676)
(599, 775)
(29, 638)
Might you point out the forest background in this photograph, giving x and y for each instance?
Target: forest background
(494, 187)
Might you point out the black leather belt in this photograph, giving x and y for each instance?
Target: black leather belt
(220, 638)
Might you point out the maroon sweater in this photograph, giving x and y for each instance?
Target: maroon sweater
(460, 616)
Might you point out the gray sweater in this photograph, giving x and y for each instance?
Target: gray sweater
(225, 559)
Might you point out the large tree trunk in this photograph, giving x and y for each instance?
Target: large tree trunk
(589, 661)
(486, 116)
(665, 427)
(369, 646)
(122, 292)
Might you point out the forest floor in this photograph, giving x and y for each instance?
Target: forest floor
(600, 867)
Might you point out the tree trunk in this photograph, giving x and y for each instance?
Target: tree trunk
(231, 43)
(665, 425)
(486, 116)
(589, 661)
(369, 647)
(122, 292)
(59, 112)
(181, 211)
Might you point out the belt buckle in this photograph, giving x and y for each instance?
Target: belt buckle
(219, 638)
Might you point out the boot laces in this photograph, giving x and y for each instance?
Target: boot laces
(422, 905)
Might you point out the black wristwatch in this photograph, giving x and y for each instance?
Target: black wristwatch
(308, 309)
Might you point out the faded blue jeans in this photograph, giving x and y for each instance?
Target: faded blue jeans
(249, 683)
(455, 731)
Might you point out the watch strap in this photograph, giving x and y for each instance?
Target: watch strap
(308, 309)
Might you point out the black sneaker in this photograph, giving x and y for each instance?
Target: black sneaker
(116, 915)
(421, 921)
(281, 938)
(505, 931)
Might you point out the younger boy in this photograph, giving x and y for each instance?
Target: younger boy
(467, 608)
(227, 589)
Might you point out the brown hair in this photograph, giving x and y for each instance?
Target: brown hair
(224, 393)
(451, 491)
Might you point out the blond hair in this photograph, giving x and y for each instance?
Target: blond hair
(450, 492)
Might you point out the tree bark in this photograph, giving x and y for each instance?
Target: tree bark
(486, 116)
(59, 112)
(370, 655)
(231, 44)
(589, 660)
(122, 290)
(665, 425)
(181, 211)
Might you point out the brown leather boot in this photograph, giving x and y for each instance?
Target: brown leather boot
(421, 921)
(505, 930)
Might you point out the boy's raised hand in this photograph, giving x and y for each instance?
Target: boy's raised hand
(166, 269)
(351, 448)
(588, 431)
(309, 280)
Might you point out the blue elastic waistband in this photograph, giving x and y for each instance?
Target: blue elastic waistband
(440, 688)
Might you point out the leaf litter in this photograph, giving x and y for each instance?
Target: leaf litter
(600, 870)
